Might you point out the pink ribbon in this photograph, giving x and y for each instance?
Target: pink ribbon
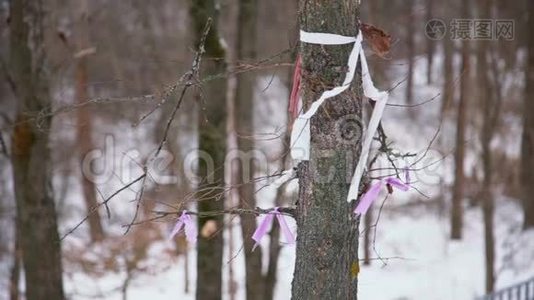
(397, 183)
(264, 226)
(370, 196)
(185, 222)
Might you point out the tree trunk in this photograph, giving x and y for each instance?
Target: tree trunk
(274, 245)
(246, 52)
(212, 148)
(327, 264)
(14, 293)
(410, 46)
(430, 45)
(488, 208)
(85, 142)
(32, 173)
(490, 98)
(368, 222)
(488, 205)
(527, 144)
(448, 70)
(459, 154)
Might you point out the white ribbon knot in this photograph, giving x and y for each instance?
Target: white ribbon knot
(300, 135)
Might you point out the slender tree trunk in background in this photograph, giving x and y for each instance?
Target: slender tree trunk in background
(14, 279)
(459, 154)
(232, 201)
(448, 70)
(410, 46)
(32, 172)
(280, 200)
(368, 220)
(488, 205)
(527, 143)
(274, 245)
(327, 264)
(430, 45)
(83, 128)
(231, 142)
(488, 95)
(244, 105)
(212, 147)
(447, 94)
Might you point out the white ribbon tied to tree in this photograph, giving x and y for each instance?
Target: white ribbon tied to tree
(300, 135)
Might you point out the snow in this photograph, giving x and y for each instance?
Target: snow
(431, 266)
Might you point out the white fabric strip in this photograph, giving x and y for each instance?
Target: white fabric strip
(300, 134)
(325, 38)
(381, 98)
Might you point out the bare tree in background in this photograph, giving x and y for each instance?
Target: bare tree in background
(212, 143)
(36, 212)
(85, 141)
(410, 46)
(430, 45)
(527, 142)
(459, 154)
(487, 97)
(448, 70)
(244, 122)
(327, 244)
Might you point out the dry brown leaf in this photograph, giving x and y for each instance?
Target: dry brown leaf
(378, 39)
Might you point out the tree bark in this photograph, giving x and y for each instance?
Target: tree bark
(14, 278)
(410, 45)
(32, 173)
(368, 222)
(212, 148)
(448, 70)
(459, 154)
(527, 144)
(488, 207)
(430, 45)
(83, 127)
(490, 111)
(327, 244)
(244, 121)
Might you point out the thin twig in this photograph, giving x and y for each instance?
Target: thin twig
(188, 77)
(288, 211)
(376, 229)
(105, 202)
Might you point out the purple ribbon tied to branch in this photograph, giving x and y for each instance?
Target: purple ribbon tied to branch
(185, 222)
(370, 196)
(268, 220)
